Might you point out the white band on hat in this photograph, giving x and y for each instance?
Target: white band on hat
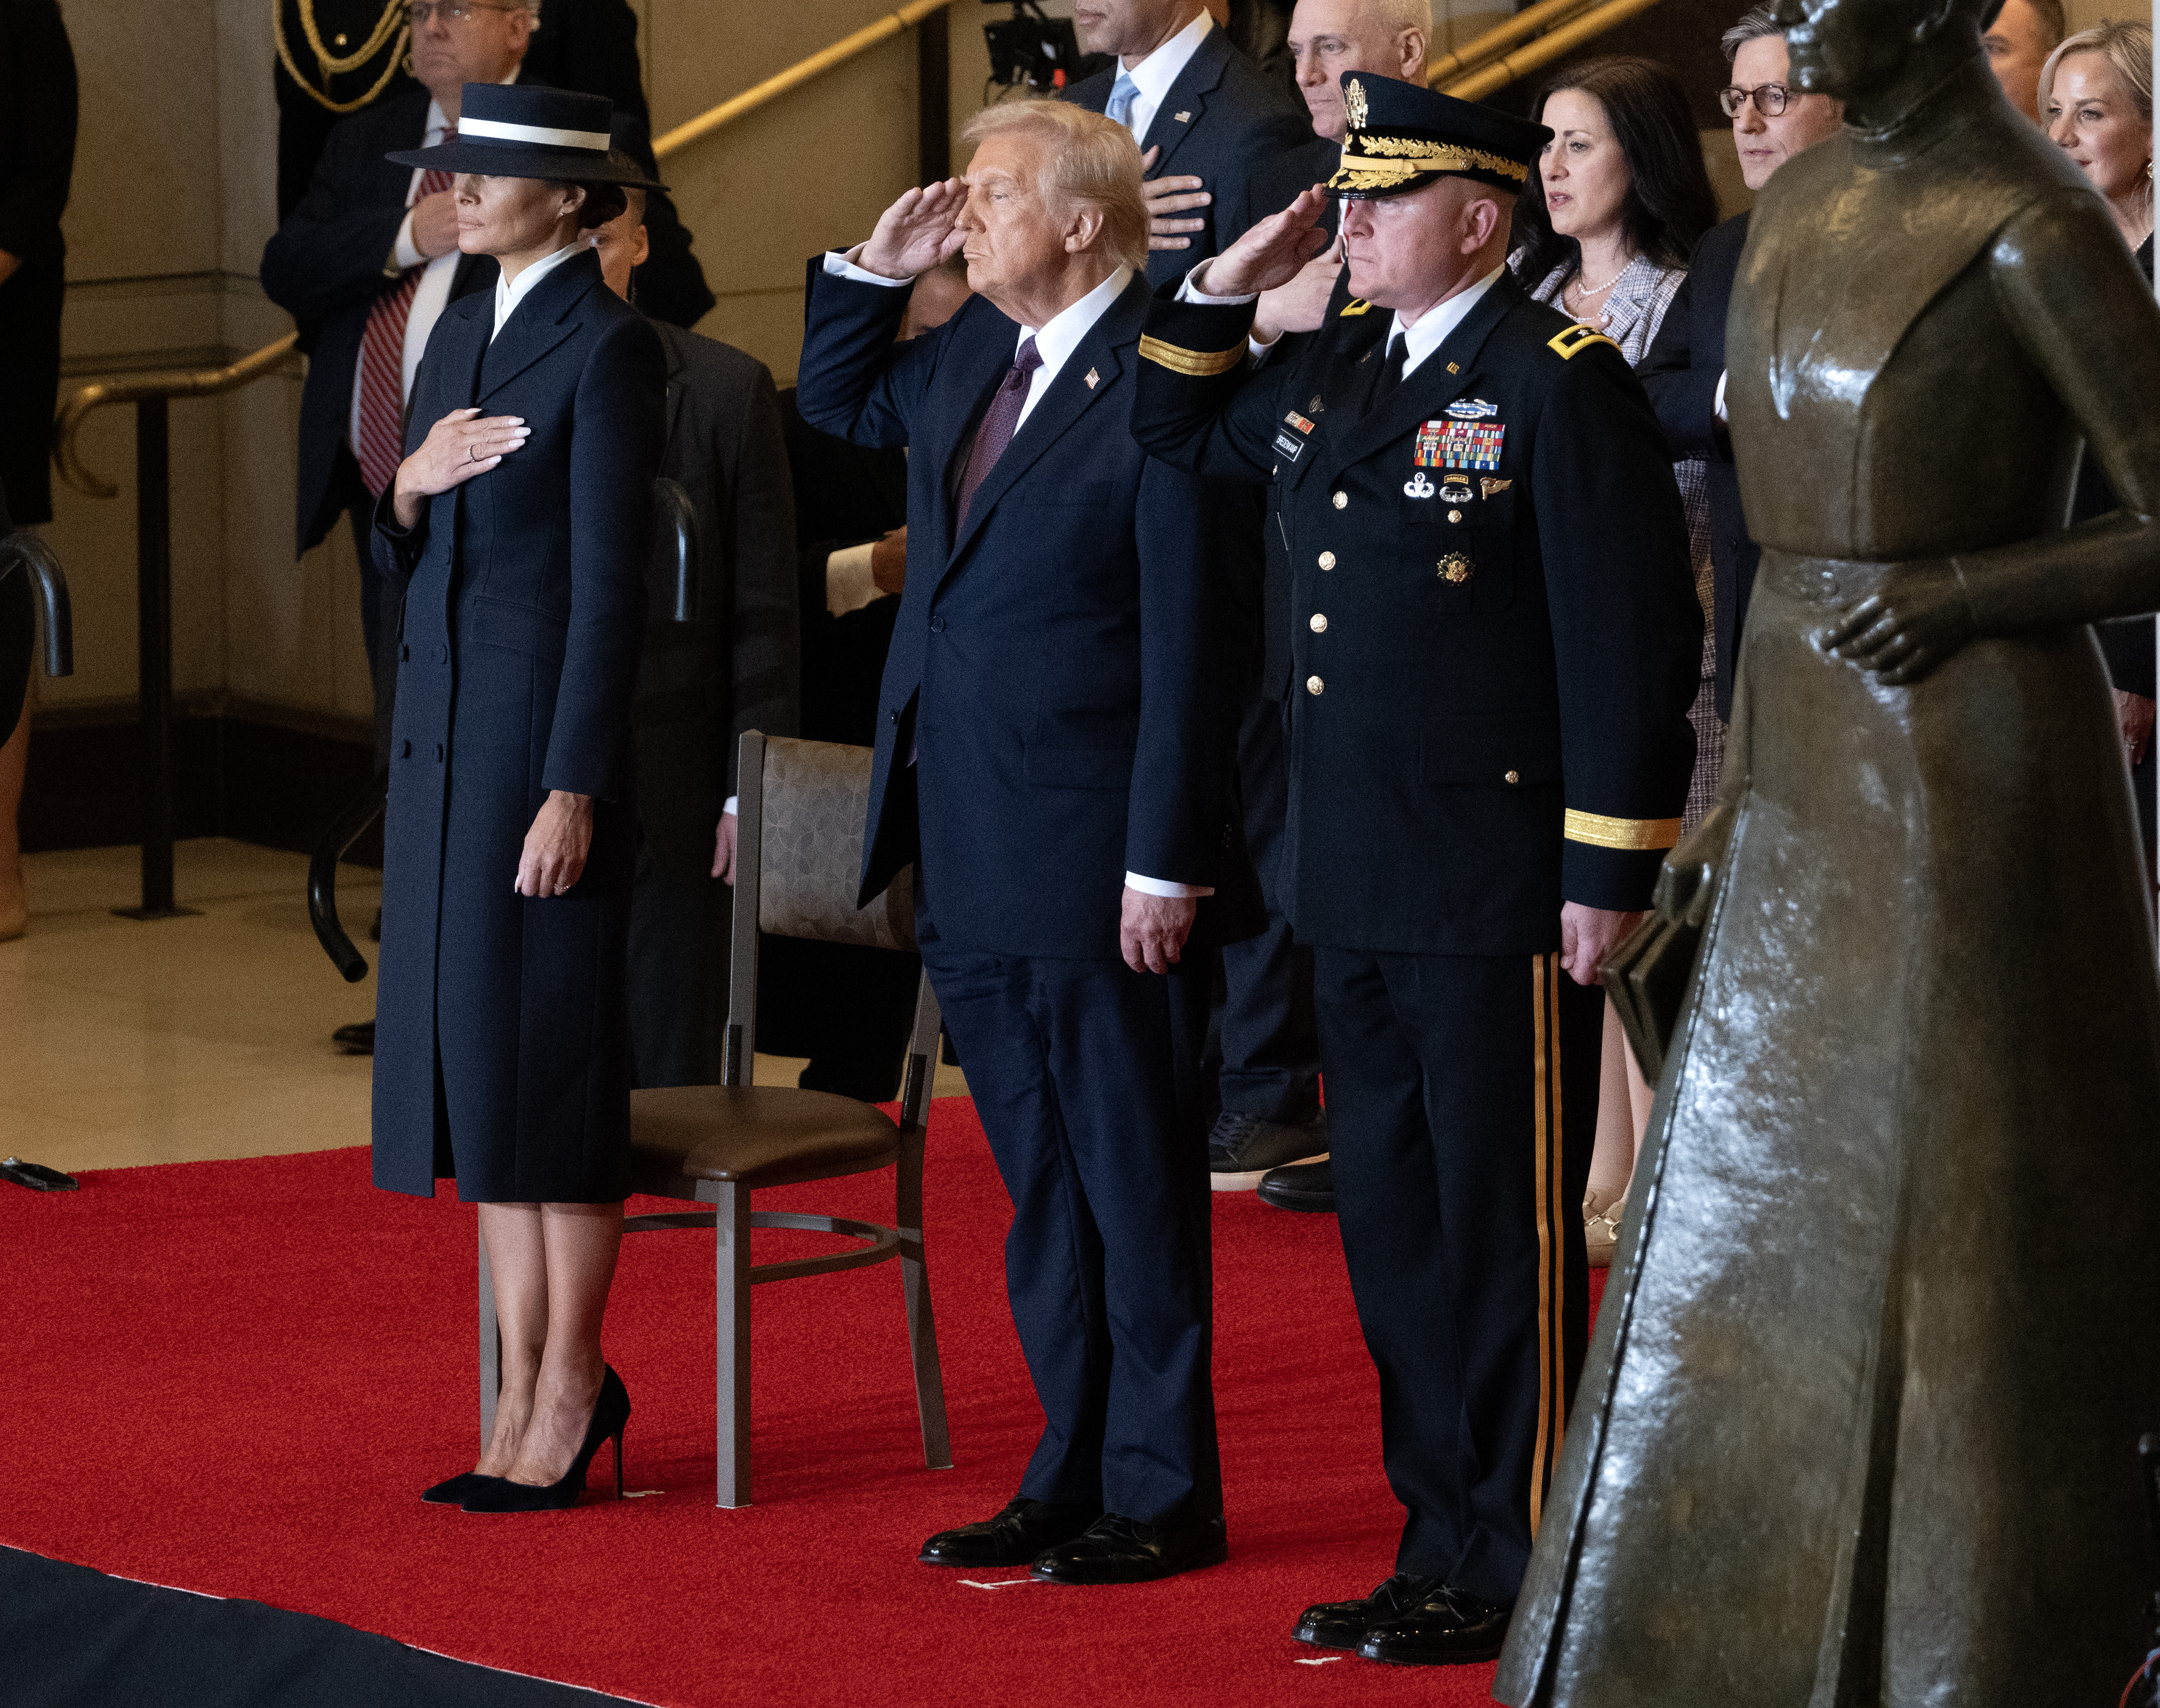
(598, 140)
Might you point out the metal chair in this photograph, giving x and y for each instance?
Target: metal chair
(801, 807)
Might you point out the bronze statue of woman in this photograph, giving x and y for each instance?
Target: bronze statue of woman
(1860, 1422)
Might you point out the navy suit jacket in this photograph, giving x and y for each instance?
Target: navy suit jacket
(1224, 121)
(1680, 374)
(1066, 663)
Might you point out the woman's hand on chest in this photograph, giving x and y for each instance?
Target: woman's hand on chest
(462, 444)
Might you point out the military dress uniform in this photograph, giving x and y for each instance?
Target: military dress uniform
(1496, 639)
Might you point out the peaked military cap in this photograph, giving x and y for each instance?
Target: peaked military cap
(1402, 136)
(519, 130)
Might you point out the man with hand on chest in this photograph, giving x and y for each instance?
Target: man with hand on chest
(1496, 643)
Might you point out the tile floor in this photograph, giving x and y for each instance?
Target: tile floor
(123, 1042)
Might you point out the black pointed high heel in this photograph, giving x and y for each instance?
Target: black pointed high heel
(457, 1490)
(610, 1413)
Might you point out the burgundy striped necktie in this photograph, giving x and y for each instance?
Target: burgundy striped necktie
(999, 422)
(381, 444)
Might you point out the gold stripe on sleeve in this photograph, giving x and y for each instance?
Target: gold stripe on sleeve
(1200, 363)
(1635, 835)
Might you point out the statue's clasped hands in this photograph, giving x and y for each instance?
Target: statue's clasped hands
(1915, 620)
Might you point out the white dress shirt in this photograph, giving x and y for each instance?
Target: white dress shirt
(1418, 340)
(509, 295)
(1054, 341)
(1154, 75)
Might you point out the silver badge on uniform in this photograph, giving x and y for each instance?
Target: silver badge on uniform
(1417, 487)
(1454, 486)
(1472, 409)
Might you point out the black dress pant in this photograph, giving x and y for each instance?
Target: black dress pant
(1086, 1075)
(1269, 1044)
(678, 972)
(1462, 1106)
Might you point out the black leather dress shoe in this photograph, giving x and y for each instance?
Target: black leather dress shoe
(1299, 1186)
(1448, 1626)
(1013, 1538)
(1117, 1550)
(357, 1039)
(1343, 1624)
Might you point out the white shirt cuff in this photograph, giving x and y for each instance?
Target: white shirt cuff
(1717, 403)
(404, 252)
(841, 265)
(849, 584)
(1189, 292)
(728, 810)
(1163, 886)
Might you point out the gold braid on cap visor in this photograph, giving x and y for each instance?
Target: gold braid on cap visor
(1389, 160)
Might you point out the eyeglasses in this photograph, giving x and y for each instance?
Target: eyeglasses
(423, 12)
(1769, 99)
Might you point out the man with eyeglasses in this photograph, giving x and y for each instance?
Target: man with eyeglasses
(1684, 372)
(369, 260)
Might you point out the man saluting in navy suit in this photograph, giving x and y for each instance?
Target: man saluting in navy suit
(1054, 752)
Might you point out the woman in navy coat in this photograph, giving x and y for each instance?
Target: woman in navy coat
(521, 514)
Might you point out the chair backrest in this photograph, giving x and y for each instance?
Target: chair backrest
(801, 807)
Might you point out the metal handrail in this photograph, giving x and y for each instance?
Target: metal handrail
(202, 382)
(1575, 27)
(1441, 72)
(758, 95)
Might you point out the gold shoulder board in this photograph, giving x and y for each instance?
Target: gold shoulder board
(1571, 343)
(1356, 305)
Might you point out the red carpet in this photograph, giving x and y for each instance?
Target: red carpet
(236, 1377)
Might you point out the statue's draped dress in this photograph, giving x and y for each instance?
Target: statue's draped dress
(1860, 1421)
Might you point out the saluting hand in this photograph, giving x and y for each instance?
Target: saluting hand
(916, 232)
(1272, 252)
(457, 447)
(1166, 197)
(1301, 305)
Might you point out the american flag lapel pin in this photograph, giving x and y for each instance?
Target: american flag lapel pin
(1093, 378)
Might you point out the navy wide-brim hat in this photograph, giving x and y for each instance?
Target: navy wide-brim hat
(1402, 136)
(521, 131)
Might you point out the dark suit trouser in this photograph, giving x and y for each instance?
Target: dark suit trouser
(378, 602)
(1270, 1044)
(1086, 1075)
(1461, 1105)
(678, 960)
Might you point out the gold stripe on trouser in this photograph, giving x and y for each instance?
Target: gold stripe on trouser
(1552, 1250)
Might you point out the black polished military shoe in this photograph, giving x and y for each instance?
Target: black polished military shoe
(1448, 1626)
(1119, 1550)
(1013, 1538)
(1302, 1186)
(1343, 1624)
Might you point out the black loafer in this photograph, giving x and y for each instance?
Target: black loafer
(1302, 1186)
(1448, 1626)
(1343, 1624)
(1116, 1549)
(1013, 1538)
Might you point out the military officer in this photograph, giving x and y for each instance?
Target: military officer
(1496, 639)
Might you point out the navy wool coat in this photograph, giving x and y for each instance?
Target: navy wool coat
(1067, 663)
(501, 1049)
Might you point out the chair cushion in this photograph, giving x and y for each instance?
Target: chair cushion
(755, 1135)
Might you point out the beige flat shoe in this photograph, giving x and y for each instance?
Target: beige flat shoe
(1601, 1227)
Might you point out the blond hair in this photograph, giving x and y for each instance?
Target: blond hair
(2127, 47)
(1092, 160)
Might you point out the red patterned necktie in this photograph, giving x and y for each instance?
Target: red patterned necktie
(999, 422)
(382, 445)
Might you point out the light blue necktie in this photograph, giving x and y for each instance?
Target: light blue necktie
(1123, 94)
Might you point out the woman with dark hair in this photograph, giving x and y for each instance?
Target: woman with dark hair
(1605, 229)
(521, 514)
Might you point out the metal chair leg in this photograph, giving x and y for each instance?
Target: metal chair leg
(731, 1341)
(922, 1327)
(491, 1348)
